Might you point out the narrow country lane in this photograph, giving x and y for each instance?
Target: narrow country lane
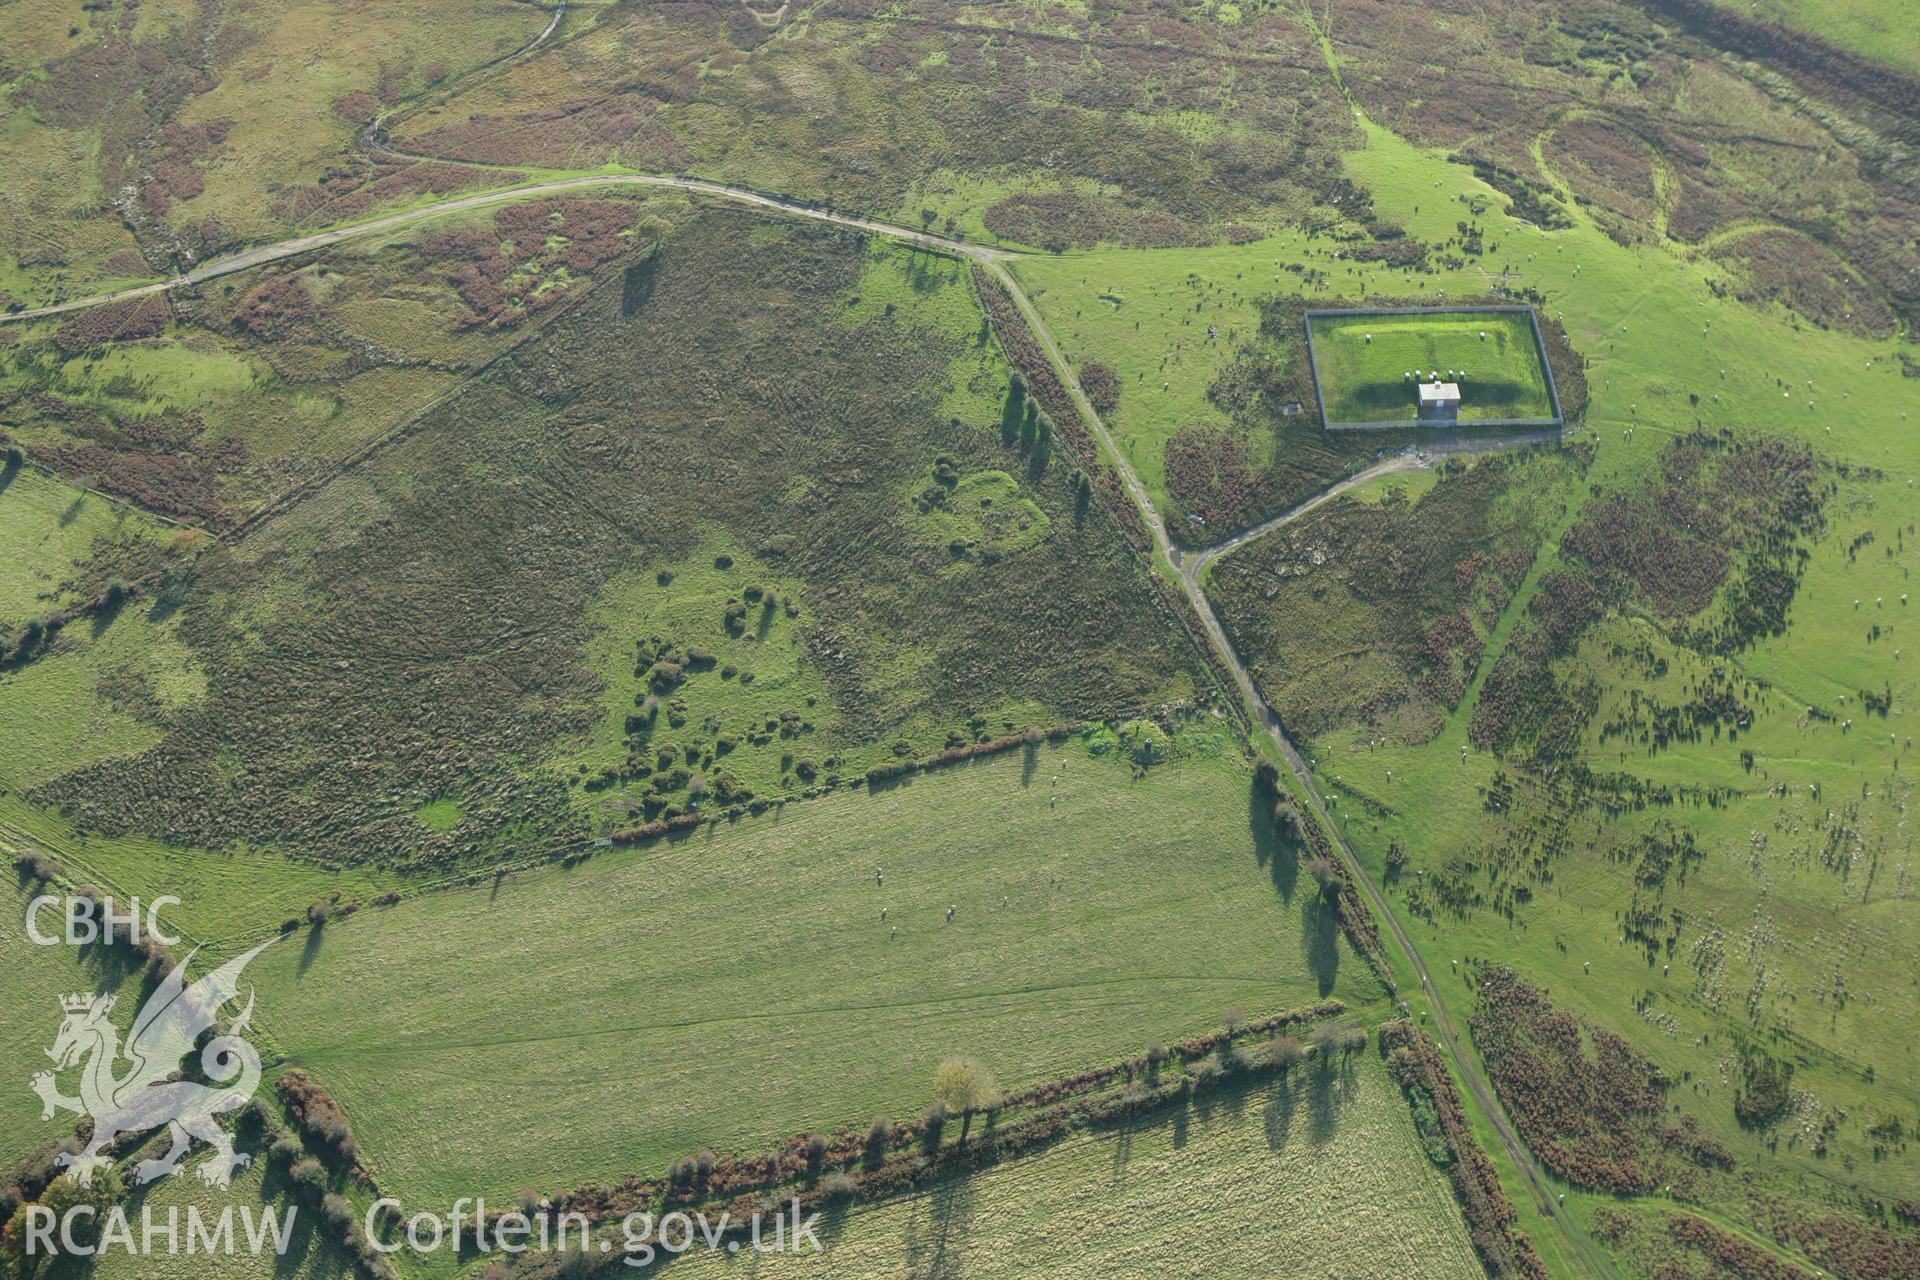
(261, 255)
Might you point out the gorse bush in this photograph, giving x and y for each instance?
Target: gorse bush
(308, 1177)
(319, 1118)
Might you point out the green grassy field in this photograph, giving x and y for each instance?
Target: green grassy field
(1795, 886)
(30, 1018)
(52, 531)
(1643, 315)
(1777, 921)
(1313, 1176)
(741, 985)
(1146, 313)
(94, 696)
(312, 1252)
(1370, 365)
(1880, 32)
(227, 894)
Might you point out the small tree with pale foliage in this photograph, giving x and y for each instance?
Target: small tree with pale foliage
(965, 1085)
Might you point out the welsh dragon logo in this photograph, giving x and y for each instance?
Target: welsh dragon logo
(145, 1096)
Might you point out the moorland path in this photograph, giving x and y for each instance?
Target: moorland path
(1192, 564)
(262, 255)
(1186, 567)
(373, 137)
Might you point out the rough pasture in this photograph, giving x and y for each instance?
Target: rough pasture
(1096, 909)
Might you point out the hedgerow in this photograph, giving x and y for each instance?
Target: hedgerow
(321, 1122)
(1296, 824)
(1413, 1059)
(891, 1157)
(1040, 380)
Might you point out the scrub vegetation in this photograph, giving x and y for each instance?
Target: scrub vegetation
(837, 527)
(1374, 615)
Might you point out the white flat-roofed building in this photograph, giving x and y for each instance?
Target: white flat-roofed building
(1439, 401)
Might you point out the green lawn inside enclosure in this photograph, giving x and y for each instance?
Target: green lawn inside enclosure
(1318, 1174)
(1370, 364)
(801, 970)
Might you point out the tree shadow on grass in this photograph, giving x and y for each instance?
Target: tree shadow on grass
(109, 966)
(876, 785)
(1319, 937)
(834, 1217)
(680, 835)
(1123, 1148)
(112, 967)
(315, 934)
(1228, 1099)
(937, 1231)
(273, 1198)
(1280, 856)
(162, 608)
(1012, 413)
(1277, 1120)
(1330, 1082)
(305, 1234)
(106, 614)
